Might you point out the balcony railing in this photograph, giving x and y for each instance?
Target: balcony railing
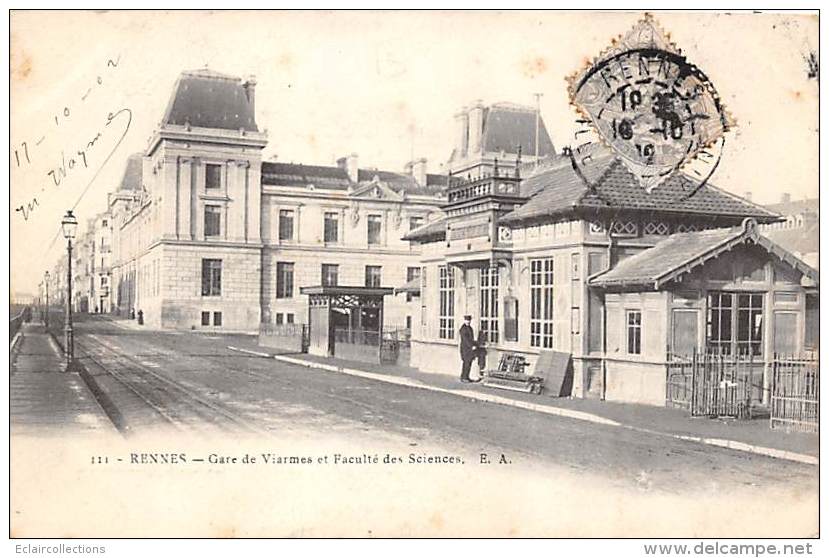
(486, 185)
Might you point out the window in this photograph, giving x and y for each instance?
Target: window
(446, 288)
(720, 309)
(741, 334)
(212, 177)
(211, 277)
(331, 225)
(373, 275)
(412, 274)
(279, 318)
(750, 324)
(415, 222)
(286, 224)
(541, 303)
(104, 223)
(489, 304)
(373, 226)
(212, 220)
(634, 327)
(217, 318)
(284, 280)
(205, 318)
(289, 318)
(329, 275)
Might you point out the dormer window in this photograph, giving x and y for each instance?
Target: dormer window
(212, 177)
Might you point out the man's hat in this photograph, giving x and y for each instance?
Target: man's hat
(467, 317)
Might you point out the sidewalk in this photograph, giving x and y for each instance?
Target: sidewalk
(752, 436)
(45, 400)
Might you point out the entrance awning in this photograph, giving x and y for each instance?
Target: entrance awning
(411, 287)
(336, 290)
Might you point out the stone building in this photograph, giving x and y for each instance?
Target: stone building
(207, 235)
(619, 280)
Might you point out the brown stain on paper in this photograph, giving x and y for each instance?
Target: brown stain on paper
(20, 63)
(534, 67)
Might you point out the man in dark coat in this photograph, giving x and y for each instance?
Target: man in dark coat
(468, 348)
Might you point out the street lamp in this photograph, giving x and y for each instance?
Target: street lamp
(69, 224)
(46, 281)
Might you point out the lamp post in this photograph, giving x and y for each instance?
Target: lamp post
(69, 224)
(46, 316)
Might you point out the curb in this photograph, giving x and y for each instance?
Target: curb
(101, 397)
(15, 341)
(576, 415)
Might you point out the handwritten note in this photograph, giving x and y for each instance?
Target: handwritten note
(90, 144)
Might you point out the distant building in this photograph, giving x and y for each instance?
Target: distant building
(92, 251)
(799, 233)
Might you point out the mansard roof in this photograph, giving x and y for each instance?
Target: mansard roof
(297, 174)
(336, 178)
(207, 99)
(435, 183)
(561, 190)
(508, 126)
(680, 253)
(133, 173)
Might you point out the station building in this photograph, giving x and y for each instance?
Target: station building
(619, 280)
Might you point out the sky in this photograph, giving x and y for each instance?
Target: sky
(383, 85)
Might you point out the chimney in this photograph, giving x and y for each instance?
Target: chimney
(462, 130)
(349, 165)
(249, 85)
(786, 197)
(748, 195)
(417, 169)
(476, 126)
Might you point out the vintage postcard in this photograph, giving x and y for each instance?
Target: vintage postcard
(413, 274)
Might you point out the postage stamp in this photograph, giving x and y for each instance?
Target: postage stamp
(651, 107)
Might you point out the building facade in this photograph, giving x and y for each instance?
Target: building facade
(206, 235)
(549, 262)
(92, 254)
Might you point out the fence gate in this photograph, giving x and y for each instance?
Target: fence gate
(795, 394)
(679, 381)
(721, 386)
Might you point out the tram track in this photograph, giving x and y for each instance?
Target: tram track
(164, 400)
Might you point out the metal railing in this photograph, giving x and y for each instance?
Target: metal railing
(283, 330)
(15, 323)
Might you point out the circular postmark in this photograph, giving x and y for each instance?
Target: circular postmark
(658, 113)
